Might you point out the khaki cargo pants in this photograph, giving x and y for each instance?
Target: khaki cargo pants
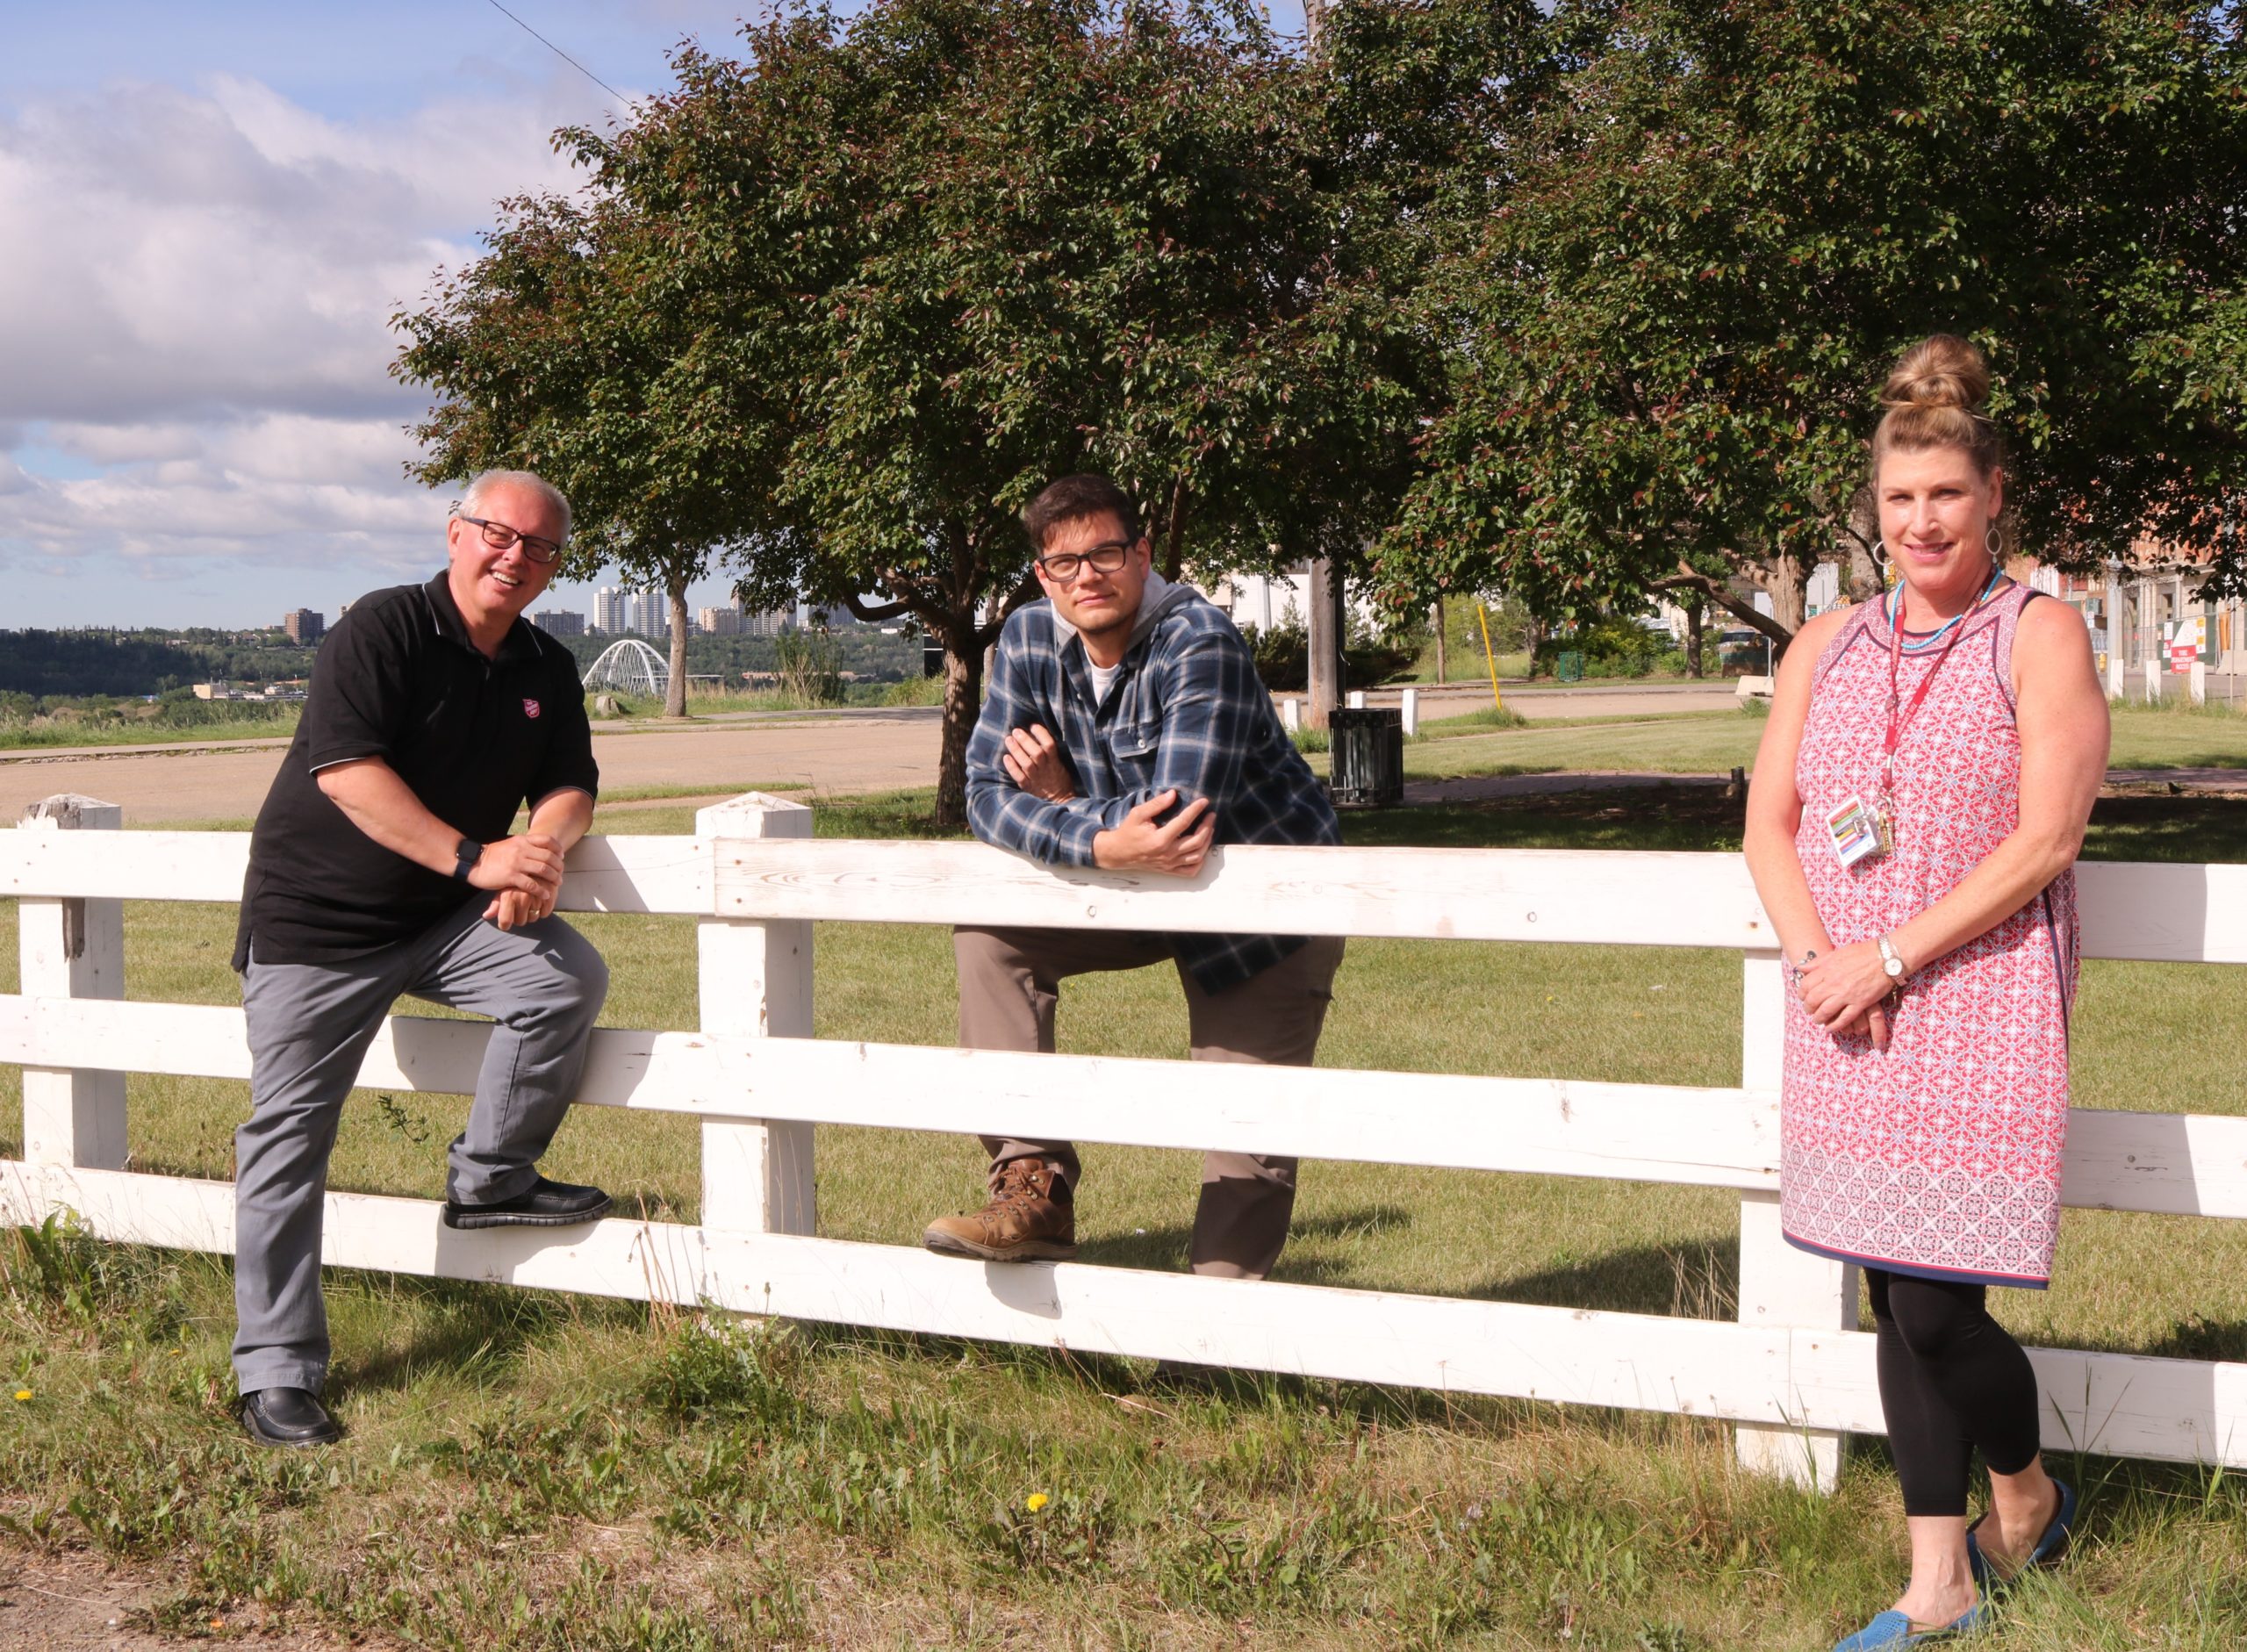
(1009, 981)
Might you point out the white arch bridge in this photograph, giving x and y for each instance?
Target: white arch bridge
(631, 666)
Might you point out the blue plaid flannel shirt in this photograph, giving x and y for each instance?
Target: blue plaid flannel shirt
(1185, 712)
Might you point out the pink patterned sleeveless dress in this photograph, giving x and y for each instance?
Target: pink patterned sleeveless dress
(1941, 1157)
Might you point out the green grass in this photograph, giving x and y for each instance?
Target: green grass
(1714, 742)
(543, 1471)
(44, 734)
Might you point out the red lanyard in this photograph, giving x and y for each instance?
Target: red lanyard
(1896, 724)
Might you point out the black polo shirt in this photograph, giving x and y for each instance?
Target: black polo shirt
(398, 678)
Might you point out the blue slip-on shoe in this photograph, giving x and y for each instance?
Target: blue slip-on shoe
(2048, 1551)
(2054, 1543)
(1894, 1629)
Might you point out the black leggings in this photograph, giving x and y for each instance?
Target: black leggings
(1950, 1379)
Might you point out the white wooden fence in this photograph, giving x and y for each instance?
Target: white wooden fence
(1793, 1374)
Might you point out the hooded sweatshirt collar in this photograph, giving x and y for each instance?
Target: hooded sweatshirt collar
(1157, 598)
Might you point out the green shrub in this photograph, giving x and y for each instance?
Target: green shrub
(1282, 656)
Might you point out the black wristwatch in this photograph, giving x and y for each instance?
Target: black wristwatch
(466, 854)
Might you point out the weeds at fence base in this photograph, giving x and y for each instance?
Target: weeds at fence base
(544, 1472)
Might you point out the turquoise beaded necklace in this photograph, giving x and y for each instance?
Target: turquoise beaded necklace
(1920, 642)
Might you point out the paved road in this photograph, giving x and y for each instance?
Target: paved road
(169, 784)
(859, 750)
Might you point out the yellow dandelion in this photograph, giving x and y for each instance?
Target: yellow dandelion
(23, 1393)
(1036, 1501)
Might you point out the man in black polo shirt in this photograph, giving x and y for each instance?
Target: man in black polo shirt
(382, 864)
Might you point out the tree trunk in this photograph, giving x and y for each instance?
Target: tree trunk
(1696, 612)
(1443, 640)
(1861, 577)
(1786, 580)
(962, 703)
(675, 696)
(1323, 628)
(1174, 532)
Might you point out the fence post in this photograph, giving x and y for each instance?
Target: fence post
(755, 983)
(1411, 713)
(1291, 714)
(1780, 1285)
(72, 1117)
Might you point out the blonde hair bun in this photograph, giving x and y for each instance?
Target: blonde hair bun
(1942, 372)
(1934, 399)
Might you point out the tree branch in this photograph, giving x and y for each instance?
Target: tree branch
(1690, 579)
(873, 613)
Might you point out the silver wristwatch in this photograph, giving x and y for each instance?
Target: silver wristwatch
(1893, 961)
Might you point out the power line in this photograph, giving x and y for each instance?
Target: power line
(559, 53)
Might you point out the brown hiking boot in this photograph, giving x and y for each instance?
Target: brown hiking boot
(1030, 1217)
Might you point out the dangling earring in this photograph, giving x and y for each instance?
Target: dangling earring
(1995, 541)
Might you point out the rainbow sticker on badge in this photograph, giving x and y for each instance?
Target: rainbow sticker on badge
(1855, 832)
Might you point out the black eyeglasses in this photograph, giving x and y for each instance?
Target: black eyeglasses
(1104, 559)
(499, 536)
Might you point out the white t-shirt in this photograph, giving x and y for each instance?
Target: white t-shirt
(1101, 676)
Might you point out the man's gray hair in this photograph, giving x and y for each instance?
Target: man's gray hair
(471, 503)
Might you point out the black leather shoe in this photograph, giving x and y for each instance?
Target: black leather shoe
(288, 1417)
(547, 1204)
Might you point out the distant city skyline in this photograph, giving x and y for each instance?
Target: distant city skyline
(212, 214)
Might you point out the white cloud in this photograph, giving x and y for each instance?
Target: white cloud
(193, 253)
(280, 489)
(195, 305)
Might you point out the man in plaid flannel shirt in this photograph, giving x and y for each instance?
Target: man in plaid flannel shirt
(1126, 729)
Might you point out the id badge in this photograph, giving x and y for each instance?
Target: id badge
(1855, 832)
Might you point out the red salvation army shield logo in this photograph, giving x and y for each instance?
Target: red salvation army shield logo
(530, 708)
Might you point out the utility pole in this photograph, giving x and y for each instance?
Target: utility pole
(1323, 625)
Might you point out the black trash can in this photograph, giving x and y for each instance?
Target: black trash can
(1368, 750)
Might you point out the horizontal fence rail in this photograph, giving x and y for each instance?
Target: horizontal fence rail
(1691, 1136)
(1794, 1373)
(2146, 910)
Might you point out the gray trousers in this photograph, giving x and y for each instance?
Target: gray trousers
(1009, 982)
(309, 1025)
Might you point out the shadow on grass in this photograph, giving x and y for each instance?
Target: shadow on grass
(465, 1329)
(2198, 1338)
(1163, 1249)
(2200, 827)
(1653, 818)
(2193, 827)
(1693, 1280)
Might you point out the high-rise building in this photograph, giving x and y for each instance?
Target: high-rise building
(304, 625)
(559, 623)
(770, 623)
(650, 614)
(725, 621)
(608, 610)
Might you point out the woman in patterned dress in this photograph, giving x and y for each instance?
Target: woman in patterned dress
(1920, 798)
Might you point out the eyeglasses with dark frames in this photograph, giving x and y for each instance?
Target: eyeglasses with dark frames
(499, 536)
(1104, 559)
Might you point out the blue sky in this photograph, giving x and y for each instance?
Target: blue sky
(210, 213)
